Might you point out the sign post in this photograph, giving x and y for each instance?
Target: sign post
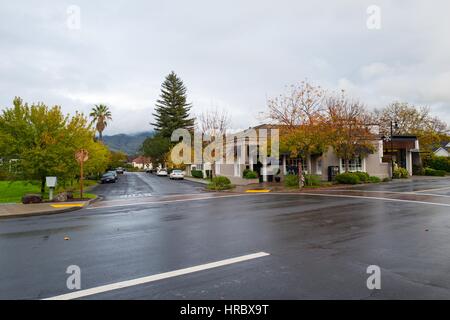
(51, 184)
(81, 156)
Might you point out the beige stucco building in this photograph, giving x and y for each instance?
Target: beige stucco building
(403, 150)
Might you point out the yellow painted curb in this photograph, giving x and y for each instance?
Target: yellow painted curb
(67, 205)
(257, 191)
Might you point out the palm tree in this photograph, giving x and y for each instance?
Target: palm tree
(100, 114)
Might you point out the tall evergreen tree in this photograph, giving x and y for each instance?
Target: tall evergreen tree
(172, 110)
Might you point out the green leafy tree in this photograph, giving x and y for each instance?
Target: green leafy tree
(44, 140)
(157, 148)
(172, 109)
(413, 120)
(118, 159)
(100, 114)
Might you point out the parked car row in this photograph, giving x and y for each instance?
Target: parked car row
(173, 175)
(111, 176)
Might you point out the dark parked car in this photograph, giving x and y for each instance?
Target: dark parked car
(120, 170)
(114, 173)
(108, 178)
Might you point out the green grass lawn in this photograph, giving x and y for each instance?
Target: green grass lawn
(12, 191)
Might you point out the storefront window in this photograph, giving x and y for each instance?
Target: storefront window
(353, 165)
(292, 166)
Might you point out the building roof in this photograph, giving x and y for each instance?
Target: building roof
(142, 160)
(445, 145)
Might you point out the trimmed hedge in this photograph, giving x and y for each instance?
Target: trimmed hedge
(434, 173)
(363, 176)
(348, 178)
(374, 179)
(312, 180)
(219, 183)
(437, 163)
(197, 174)
(291, 180)
(249, 174)
(244, 173)
(401, 173)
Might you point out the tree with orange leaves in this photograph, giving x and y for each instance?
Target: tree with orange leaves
(350, 128)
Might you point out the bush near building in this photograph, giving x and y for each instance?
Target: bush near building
(249, 174)
(312, 180)
(348, 178)
(197, 174)
(363, 176)
(374, 179)
(434, 172)
(400, 173)
(291, 180)
(356, 177)
(219, 183)
(437, 163)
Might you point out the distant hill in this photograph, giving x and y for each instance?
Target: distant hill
(128, 143)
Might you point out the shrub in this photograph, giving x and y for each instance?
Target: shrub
(312, 180)
(437, 163)
(291, 180)
(386, 179)
(197, 174)
(248, 174)
(400, 173)
(374, 179)
(219, 183)
(244, 173)
(348, 178)
(435, 173)
(363, 176)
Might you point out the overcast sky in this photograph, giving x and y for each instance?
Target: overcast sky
(230, 54)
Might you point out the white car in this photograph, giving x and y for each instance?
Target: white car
(176, 174)
(162, 173)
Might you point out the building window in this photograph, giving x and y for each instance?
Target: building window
(292, 166)
(353, 165)
(319, 166)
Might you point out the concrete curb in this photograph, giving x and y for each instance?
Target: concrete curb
(199, 181)
(50, 212)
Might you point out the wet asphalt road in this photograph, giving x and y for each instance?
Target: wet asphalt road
(319, 246)
(140, 184)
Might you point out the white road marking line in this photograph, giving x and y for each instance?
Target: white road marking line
(169, 201)
(435, 189)
(135, 195)
(396, 192)
(156, 277)
(363, 197)
(118, 199)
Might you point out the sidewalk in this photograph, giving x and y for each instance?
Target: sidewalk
(18, 210)
(198, 180)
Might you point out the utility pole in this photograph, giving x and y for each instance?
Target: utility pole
(392, 149)
(81, 156)
(393, 123)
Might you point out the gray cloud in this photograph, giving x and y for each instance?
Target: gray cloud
(230, 54)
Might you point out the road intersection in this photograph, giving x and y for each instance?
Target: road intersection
(316, 244)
